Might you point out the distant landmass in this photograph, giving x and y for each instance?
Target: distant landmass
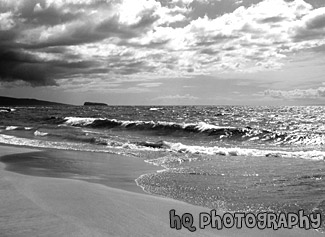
(10, 101)
(94, 104)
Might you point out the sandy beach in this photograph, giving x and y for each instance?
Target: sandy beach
(54, 206)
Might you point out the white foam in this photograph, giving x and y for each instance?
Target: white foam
(41, 134)
(126, 122)
(172, 147)
(202, 126)
(11, 128)
(80, 121)
(12, 140)
(164, 161)
(236, 151)
(253, 138)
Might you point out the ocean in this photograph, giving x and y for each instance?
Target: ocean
(230, 158)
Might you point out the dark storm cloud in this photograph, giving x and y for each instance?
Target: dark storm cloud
(6, 36)
(17, 61)
(67, 24)
(16, 65)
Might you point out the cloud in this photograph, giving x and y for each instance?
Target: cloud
(177, 97)
(149, 84)
(45, 41)
(249, 36)
(17, 64)
(312, 26)
(43, 37)
(187, 2)
(6, 21)
(296, 94)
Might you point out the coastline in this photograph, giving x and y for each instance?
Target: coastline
(52, 206)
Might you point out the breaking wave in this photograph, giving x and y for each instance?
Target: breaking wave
(73, 141)
(201, 128)
(227, 151)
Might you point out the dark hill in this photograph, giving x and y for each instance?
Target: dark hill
(9, 101)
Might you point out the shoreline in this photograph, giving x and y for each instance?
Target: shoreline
(48, 206)
(111, 170)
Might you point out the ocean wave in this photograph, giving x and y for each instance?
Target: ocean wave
(76, 121)
(174, 148)
(240, 134)
(234, 151)
(13, 140)
(177, 148)
(68, 136)
(167, 127)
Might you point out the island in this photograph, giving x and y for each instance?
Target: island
(10, 101)
(94, 104)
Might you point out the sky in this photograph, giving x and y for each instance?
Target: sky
(164, 52)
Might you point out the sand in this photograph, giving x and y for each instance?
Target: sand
(52, 206)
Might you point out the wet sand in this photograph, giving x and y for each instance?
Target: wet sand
(61, 193)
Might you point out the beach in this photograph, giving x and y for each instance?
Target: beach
(53, 206)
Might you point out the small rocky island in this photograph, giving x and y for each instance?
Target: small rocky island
(94, 104)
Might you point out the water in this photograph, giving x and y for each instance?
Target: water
(227, 157)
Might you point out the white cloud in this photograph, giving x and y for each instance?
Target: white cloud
(149, 84)
(130, 11)
(297, 93)
(176, 97)
(201, 1)
(6, 21)
(186, 2)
